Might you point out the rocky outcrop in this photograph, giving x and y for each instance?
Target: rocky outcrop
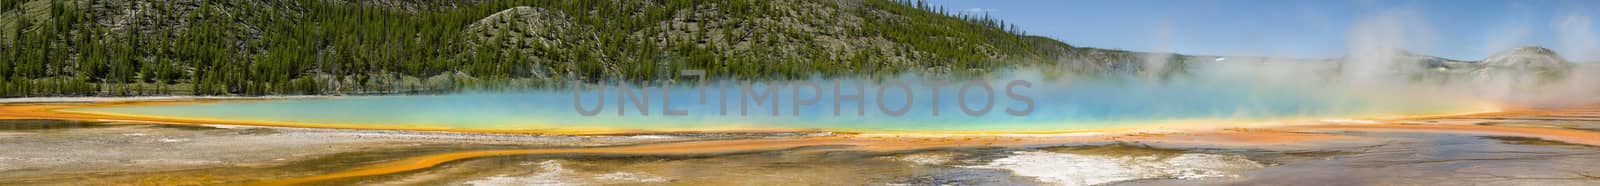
(527, 27)
(1535, 63)
(1532, 57)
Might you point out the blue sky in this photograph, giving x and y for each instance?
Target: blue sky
(1459, 29)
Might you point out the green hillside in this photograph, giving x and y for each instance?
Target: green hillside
(184, 47)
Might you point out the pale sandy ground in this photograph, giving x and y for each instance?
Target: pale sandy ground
(1544, 147)
(86, 148)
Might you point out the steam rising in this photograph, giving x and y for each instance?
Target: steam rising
(1377, 46)
(1575, 34)
(1387, 56)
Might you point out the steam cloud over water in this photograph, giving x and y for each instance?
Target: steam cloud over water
(1386, 55)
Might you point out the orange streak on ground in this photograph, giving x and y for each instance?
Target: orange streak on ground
(856, 142)
(57, 111)
(418, 163)
(868, 142)
(61, 111)
(1570, 136)
(885, 142)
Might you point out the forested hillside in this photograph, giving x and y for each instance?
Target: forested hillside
(216, 47)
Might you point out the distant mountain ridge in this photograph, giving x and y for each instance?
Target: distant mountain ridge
(204, 47)
(1528, 59)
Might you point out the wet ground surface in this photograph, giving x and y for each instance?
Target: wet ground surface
(51, 152)
(58, 151)
(1400, 159)
(1424, 159)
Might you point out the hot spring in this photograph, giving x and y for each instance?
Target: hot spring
(1214, 96)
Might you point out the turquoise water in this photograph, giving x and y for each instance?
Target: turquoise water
(1059, 104)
